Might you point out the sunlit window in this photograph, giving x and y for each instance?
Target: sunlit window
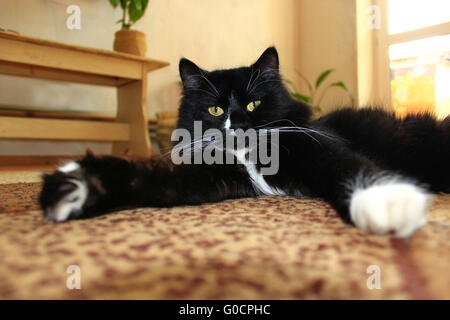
(406, 15)
(420, 70)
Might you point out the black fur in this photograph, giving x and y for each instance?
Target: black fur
(344, 145)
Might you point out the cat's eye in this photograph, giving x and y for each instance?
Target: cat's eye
(215, 111)
(252, 105)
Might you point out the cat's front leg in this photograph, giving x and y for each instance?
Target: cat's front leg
(369, 197)
(87, 188)
(387, 204)
(64, 193)
(96, 185)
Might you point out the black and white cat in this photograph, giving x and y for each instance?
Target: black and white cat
(377, 171)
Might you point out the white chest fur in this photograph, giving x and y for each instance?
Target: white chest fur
(256, 177)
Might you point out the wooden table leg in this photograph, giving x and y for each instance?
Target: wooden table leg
(132, 109)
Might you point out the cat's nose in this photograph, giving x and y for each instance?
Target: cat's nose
(239, 125)
(238, 121)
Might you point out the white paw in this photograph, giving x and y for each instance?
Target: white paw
(394, 208)
(69, 167)
(70, 204)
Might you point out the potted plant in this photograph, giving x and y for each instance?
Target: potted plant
(311, 97)
(128, 40)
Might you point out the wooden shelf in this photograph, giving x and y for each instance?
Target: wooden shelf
(17, 111)
(55, 129)
(38, 58)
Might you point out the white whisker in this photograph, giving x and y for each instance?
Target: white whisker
(201, 90)
(250, 80)
(261, 82)
(322, 133)
(210, 83)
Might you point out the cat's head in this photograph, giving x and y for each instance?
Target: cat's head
(240, 98)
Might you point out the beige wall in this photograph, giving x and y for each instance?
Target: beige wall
(214, 34)
(326, 39)
(310, 36)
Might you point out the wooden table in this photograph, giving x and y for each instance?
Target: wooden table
(43, 59)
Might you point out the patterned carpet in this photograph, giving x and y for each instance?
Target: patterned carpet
(266, 248)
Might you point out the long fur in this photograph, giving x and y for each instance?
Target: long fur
(319, 158)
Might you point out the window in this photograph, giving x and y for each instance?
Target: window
(418, 40)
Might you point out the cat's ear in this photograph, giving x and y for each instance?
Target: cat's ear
(268, 62)
(190, 74)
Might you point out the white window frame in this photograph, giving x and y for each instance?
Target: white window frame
(374, 86)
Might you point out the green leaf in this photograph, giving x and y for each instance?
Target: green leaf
(291, 90)
(288, 82)
(300, 97)
(317, 109)
(135, 13)
(306, 80)
(294, 93)
(114, 3)
(137, 4)
(144, 4)
(141, 5)
(123, 4)
(343, 86)
(119, 21)
(323, 76)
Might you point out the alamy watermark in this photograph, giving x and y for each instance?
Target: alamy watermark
(74, 280)
(74, 20)
(212, 146)
(374, 19)
(374, 281)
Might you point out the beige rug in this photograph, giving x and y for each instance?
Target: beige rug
(267, 248)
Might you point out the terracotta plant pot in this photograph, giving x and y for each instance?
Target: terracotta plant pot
(166, 122)
(130, 41)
